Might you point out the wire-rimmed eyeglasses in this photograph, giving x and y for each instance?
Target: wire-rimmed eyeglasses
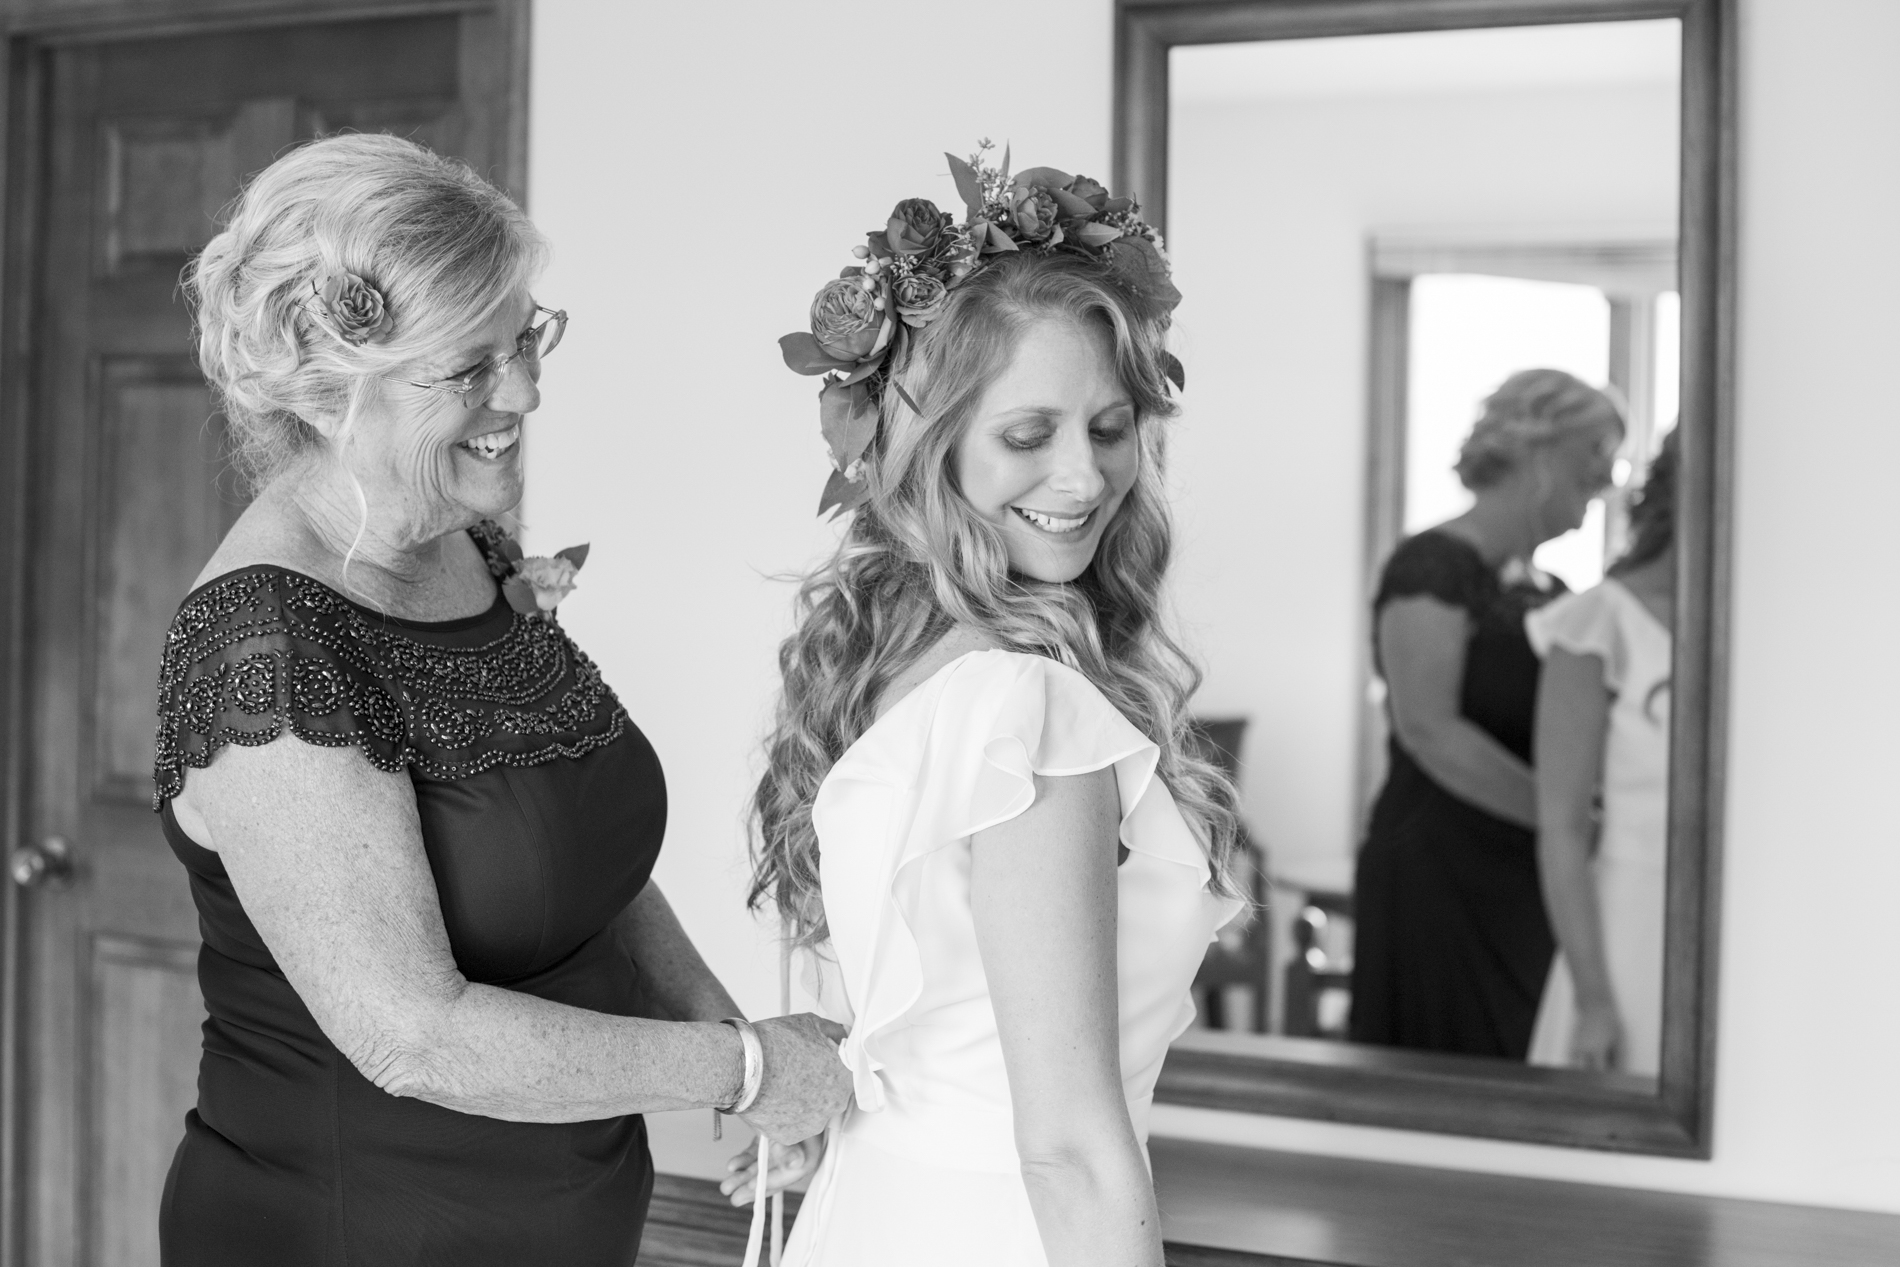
(477, 385)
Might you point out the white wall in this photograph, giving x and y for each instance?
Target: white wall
(1271, 205)
(700, 168)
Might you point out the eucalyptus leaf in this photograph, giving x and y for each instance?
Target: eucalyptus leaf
(969, 188)
(841, 495)
(1072, 204)
(990, 238)
(905, 397)
(1097, 234)
(577, 555)
(863, 370)
(804, 356)
(1047, 178)
(1137, 260)
(1176, 372)
(520, 596)
(848, 418)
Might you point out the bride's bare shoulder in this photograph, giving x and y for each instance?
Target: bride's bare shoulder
(958, 642)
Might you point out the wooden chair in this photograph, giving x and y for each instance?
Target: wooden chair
(1318, 964)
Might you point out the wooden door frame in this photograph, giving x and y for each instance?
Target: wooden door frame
(1465, 1095)
(27, 32)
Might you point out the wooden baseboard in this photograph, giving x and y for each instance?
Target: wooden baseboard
(690, 1223)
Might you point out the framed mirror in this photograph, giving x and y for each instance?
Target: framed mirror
(1430, 248)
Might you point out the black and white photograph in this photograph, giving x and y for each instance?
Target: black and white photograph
(861, 633)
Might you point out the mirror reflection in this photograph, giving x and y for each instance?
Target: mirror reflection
(1426, 491)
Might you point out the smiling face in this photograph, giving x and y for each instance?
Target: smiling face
(1051, 450)
(439, 464)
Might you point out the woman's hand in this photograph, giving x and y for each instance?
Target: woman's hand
(806, 1084)
(788, 1164)
(1598, 1038)
(1422, 647)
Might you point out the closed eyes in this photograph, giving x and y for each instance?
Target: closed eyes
(523, 342)
(1112, 428)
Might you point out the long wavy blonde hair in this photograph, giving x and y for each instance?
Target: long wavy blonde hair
(917, 561)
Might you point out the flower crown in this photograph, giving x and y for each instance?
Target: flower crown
(861, 323)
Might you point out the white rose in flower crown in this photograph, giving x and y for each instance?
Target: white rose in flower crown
(537, 585)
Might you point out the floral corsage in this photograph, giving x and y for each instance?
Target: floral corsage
(533, 585)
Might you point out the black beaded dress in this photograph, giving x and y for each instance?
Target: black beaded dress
(542, 809)
(1451, 941)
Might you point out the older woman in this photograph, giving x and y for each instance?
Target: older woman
(419, 826)
(1453, 945)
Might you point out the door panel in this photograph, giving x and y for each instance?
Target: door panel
(144, 1015)
(166, 178)
(143, 142)
(161, 506)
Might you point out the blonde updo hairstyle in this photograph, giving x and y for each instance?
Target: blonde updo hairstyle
(1530, 409)
(917, 560)
(445, 248)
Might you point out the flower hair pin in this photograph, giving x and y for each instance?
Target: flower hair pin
(534, 585)
(861, 323)
(351, 309)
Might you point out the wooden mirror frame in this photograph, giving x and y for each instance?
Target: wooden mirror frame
(1305, 1078)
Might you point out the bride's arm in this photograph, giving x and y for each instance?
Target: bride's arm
(1573, 716)
(1043, 892)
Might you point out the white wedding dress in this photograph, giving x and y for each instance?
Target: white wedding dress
(1612, 624)
(923, 1169)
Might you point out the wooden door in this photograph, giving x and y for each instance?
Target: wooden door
(141, 142)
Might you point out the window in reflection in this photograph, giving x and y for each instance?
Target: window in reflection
(1470, 332)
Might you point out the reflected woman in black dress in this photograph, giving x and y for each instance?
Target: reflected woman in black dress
(420, 827)
(1452, 943)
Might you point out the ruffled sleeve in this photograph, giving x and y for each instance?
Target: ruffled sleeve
(965, 761)
(1585, 624)
(259, 652)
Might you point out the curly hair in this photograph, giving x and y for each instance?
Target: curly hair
(445, 248)
(1530, 408)
(1653, 510)
(918, 561)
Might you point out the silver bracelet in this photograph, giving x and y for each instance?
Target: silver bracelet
(754, 1065)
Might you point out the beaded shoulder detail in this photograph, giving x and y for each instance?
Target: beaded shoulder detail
(268, 649)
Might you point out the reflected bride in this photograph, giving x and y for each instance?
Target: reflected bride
(1603, 733)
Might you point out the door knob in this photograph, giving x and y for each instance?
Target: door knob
(48, 863)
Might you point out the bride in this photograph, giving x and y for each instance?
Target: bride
(980, 813)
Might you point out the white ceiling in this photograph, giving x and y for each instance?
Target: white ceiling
(1498, 59)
